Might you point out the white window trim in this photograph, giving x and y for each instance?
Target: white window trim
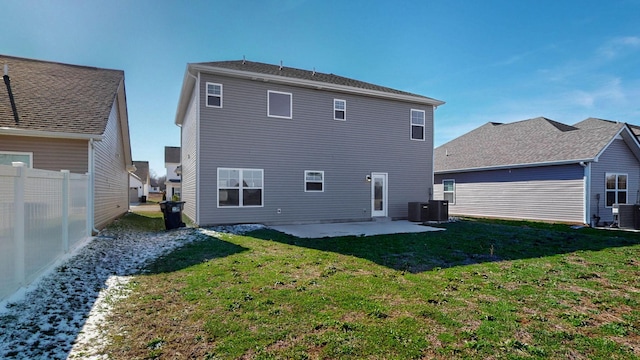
(336, 109)
(240, 188)
(424, 126)
(30, 154)
(269, 92)
(305, 181)
(449, 192)
(206, 100)
(616, 190)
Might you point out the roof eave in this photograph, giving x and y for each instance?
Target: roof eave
(185, 95)
(48, 134)
(514, 166)
(318, 85)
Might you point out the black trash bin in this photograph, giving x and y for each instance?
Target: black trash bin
(143, 199)
(418, 211)
(172, 211)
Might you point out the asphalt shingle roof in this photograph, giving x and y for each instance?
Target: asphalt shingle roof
(533, 141)
(142, 170)
(58, 97)
(262, 68)
(172, 154)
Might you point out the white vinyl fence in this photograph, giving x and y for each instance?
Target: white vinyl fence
(43, 215)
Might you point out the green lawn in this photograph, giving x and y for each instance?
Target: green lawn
(477, 290)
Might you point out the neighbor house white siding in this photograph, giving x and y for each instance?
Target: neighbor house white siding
(111, 179)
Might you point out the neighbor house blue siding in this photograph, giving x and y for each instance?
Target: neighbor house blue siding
(549, 193)
(617, 158)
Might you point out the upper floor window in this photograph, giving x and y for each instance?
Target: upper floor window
(449, 187)
(339, 109)
(7, 157)
(313, 181)
(279, 104)
(240, 187)
(417, 124)
(214, 95)
(616, 189)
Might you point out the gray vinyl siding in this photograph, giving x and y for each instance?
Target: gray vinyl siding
(374, 138)
(550, 193)
(50, 153)
(617, 158)
(111, 179)
(189, 155)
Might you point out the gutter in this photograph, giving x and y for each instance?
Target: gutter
(516, 166)
(48, 134)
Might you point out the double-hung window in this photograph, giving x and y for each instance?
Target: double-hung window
(7, 157)
(279, 104)
(616, 189)
(240, 187)
(214, 95)
(449, 190)
(313, 181)
(417, 125)
(339, 109)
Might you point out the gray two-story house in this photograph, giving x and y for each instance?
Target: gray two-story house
(270, 144)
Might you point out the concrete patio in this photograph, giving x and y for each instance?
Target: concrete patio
(367, 228)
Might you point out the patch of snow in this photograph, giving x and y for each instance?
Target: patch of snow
(63, 314)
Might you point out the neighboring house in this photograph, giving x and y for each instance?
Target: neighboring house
(154, 187)
(540, 169)
(172, 165)
(142, 172)
(135, 188)
(59, 116)
(271, 144)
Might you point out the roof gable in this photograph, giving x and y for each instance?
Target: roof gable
(58, 98)
(529, 142)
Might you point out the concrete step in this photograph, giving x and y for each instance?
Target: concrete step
(381, 219)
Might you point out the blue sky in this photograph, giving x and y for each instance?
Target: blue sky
(490, 60)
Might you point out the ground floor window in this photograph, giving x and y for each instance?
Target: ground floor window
(240, 187)
(616, 188)
(449, 187)
(7, 157)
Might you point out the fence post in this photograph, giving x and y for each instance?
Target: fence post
(19, 216)
(65, 210)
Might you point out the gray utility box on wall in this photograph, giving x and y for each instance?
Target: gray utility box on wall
(438, 210)
(629, 216)
(418, 211)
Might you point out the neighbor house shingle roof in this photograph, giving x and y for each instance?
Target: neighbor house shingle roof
(142, 170)
(288, 72)
(534, 141)
(57, 97)
(172, 154)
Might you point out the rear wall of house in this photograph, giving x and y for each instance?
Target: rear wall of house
(50, 153)
(619, 159)
(374, 138)
(551, 193)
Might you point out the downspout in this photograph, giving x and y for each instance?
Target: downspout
(587, 193)
(91, 189)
